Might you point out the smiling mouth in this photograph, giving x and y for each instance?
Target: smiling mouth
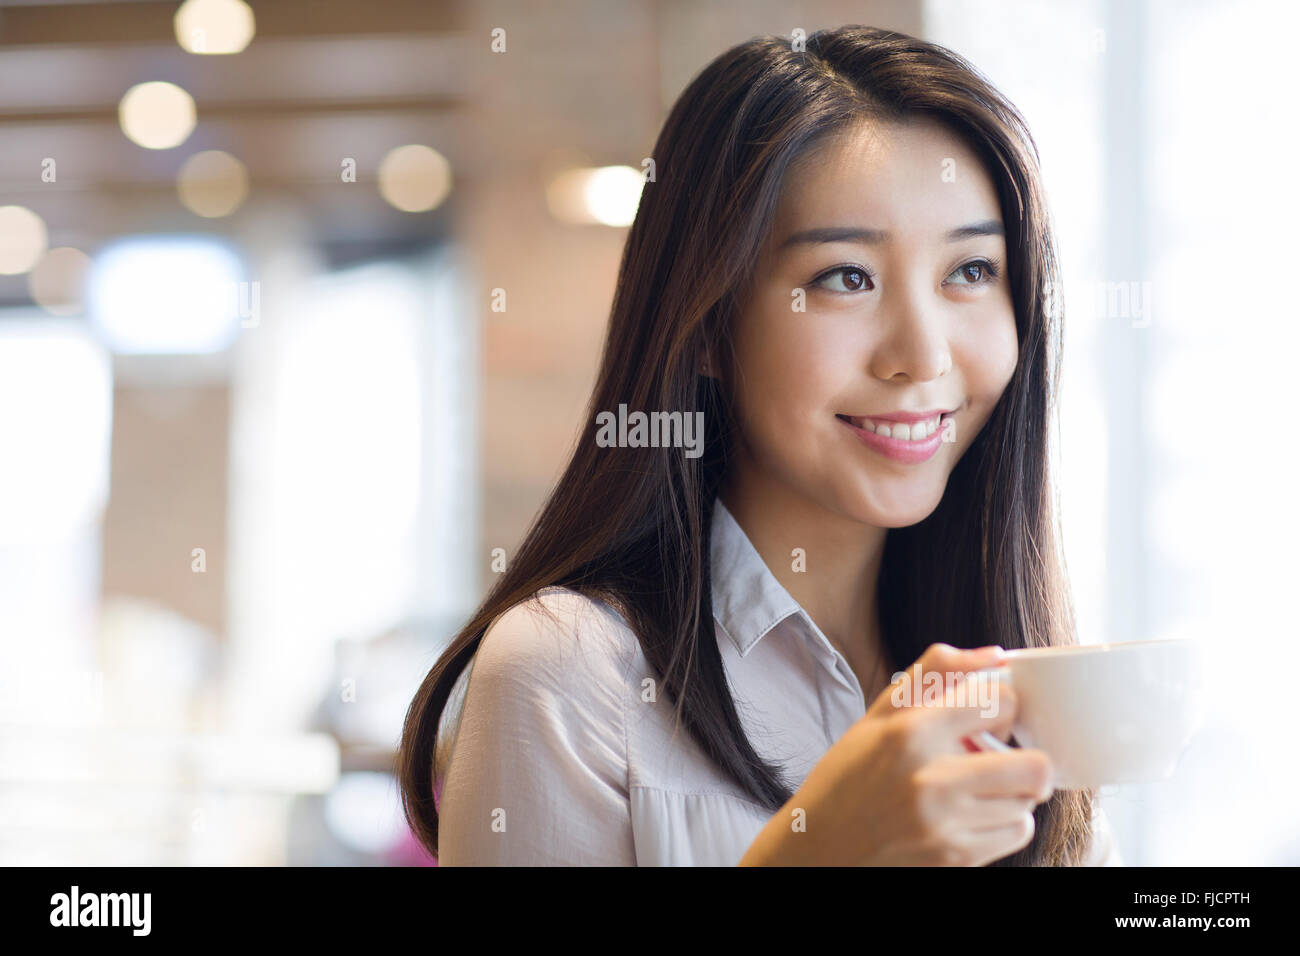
(917, 431)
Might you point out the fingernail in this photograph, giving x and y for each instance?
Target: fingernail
(996, 649)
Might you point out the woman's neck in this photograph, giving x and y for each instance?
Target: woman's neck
(840, 564)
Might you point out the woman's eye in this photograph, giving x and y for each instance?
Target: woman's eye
(851, 279)
(975, 272)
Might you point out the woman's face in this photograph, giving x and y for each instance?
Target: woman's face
(890, 239)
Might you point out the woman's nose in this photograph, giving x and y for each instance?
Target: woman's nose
(914, 343)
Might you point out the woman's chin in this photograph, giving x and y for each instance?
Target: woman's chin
(897, 512)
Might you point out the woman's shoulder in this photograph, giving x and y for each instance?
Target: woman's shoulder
(558, 628)
(556, 666)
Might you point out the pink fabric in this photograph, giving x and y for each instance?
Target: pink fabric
(408, 851)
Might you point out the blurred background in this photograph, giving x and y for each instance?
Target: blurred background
(301, 301)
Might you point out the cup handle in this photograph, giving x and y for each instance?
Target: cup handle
(992, 743)
(985, 740)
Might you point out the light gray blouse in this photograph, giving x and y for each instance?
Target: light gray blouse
(558, 749)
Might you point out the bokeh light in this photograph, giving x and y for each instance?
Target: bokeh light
(157, 115)
(414, 178)
(23, 238)
(608, 195)
(174, 295)
(58, 282)
(212, 184)
(214, 26)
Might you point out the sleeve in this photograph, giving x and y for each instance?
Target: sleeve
(538, 773)
(1104, 849)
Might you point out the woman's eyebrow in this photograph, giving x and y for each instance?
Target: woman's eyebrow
(985, 227)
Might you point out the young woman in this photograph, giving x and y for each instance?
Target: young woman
(704, 658)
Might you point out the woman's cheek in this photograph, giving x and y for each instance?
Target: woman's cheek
(993, 357)
(782, 425)
(792, 361)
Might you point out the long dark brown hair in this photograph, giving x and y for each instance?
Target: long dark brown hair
(630, 526)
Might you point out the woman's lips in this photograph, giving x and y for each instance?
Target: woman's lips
(894, 428)
(885, 437)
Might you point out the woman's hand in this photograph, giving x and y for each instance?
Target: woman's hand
(901, 788)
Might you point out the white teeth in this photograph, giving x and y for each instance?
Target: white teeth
(915, 432)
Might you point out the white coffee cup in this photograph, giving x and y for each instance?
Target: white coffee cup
(1105, 713)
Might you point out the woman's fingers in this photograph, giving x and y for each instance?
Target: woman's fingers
(1020, 774)
(935, 672)
(979, 706)
(992, 813)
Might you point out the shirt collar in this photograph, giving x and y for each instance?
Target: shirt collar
(748, 600)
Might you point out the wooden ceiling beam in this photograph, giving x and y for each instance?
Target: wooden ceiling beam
(245, 109)
(150, 21)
